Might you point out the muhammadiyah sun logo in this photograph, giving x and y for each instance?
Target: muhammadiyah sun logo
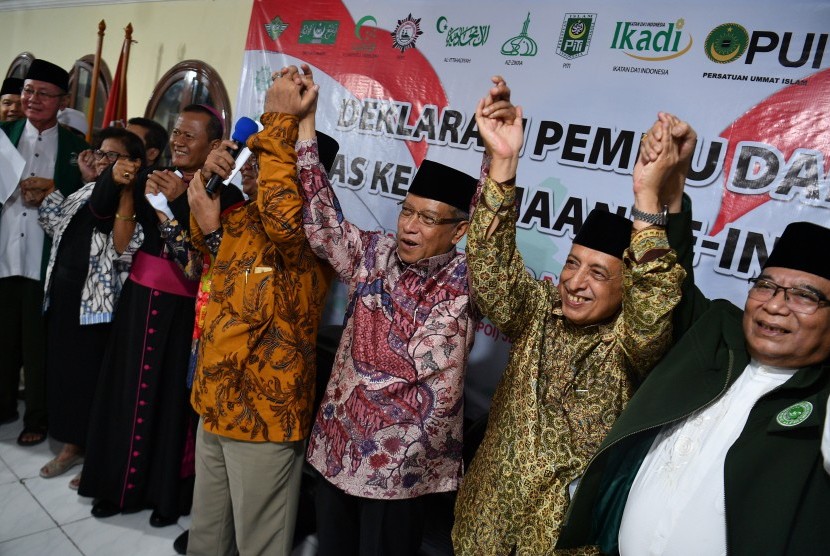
(726, 43)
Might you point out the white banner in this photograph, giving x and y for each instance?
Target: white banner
(400, 81)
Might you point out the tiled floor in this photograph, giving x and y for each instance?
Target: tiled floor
(43, 517)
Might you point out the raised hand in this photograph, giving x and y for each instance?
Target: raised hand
(288, 95)
(204, 208)
(502, 138)
(663, 163)
(501, 131)
(125, 171)
(497, 102)
(86, 164)
(219, 161)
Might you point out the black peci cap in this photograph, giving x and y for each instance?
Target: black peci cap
(11, 86)
(605, 231)
(41, 70)
(441, 183)
(802, 246)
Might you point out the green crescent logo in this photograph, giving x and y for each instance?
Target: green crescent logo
(363, 21)
(726, 43)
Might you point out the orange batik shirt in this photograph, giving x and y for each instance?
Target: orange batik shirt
(256, 371)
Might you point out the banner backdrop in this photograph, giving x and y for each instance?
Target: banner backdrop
(400, 81)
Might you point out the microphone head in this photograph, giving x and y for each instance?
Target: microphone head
(244, 128)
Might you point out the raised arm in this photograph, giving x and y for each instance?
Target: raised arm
(278, 198)
(693, 303)
(330, 235)
(502, 288)
(651, 276)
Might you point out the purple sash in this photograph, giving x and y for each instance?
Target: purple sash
(161, 274)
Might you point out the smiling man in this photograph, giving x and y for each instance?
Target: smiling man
(142, 426)
(720, 450)
(579, 347)
(11, 108)
(389, 429)
(51, 155)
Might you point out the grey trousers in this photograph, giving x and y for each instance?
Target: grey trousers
(245, 497)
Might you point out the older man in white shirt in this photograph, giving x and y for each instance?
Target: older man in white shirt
(50, 153)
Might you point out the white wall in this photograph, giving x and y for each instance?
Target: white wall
(167, 32)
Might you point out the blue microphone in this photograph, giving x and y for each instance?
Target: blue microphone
(244, 128)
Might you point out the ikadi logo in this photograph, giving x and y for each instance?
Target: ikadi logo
(654, 41)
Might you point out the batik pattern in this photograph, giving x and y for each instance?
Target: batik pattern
(390, 423)
(256, 368)
(564, 385)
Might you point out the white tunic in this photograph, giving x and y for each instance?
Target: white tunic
(21, 237)
(676, 505)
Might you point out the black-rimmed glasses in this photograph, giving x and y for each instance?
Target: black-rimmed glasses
(800, 300)
(112, 156)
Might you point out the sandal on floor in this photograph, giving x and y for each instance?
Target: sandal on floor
(75, 483)
(39, 434)
(57, 466)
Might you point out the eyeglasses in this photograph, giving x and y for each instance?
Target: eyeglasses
(800, 300)
(29, 92)
(426, 219)
(112, 156)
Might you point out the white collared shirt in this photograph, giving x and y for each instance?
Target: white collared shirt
(676, 505)
(21, 237)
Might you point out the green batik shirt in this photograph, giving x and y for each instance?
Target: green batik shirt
(563, 387)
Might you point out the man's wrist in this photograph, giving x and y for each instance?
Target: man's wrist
(660, 218)
(503, 170)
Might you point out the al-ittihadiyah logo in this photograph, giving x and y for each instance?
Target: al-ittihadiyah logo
(406, 33)
(726, 43)
(522, 44)
(470, 35)
(575, 37)
(652, 41)
(275, 28)
(318, 32)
